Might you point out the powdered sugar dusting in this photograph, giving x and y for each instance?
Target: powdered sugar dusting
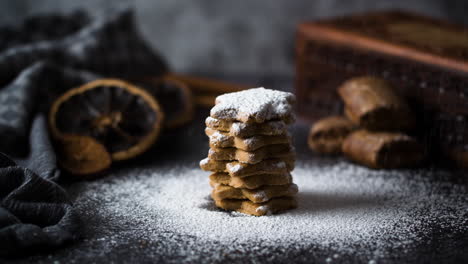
(257, 104)
(218, 136)
(204, 161)
(234, 168)
(261, 195)
(343, 208)
(280, 164)
(263, 209)
(237, 127)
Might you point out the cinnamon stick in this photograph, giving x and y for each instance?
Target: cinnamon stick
(206, 85)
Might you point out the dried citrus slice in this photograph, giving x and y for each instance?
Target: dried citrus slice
(123, 118)
(82, 155)
(174, 97)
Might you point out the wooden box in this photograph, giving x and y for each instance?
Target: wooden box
(424, 58)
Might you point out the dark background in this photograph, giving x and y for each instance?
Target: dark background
(255, 36)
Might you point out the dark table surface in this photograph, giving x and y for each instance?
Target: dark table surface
(188, 145)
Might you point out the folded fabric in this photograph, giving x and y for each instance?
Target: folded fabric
(39, 60)
(35, 212)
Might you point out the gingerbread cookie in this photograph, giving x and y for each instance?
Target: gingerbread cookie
(251, 157)
(255, 105)
(239, 129)
(258, 209)
(220, 139)
(251, 182)
(259, 195)
(327, 134)
(383, 150)
(239, 169)
(373, 103)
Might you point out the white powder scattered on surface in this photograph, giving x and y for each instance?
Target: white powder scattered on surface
(258, 104)
(343, 208)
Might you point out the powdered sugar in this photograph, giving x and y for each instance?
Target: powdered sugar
(234, 168)
(261, 195)
(263, 209)
(280, 164)
(204, 161)
(343, 208)
(250, 140)
(253, 105)
(216, 136)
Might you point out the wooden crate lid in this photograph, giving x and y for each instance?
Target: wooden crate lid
(397, 33)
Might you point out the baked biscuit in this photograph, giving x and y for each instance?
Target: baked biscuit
(259, 195)
(251, 157)
(327, 135)
(239, 129)
(383, 150)
(251, 182)
(258, 209)
(239, 169)
(373, 104)
(220, 139)
(255, 105)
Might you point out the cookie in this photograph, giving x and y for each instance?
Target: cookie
(327, 135)
(220, 139)
(382, 150)
(239, 169)
(372, 103)
(251, 182)
(251, 157)
(258, 209)
(239, 129)
(259, 195)
(255, 105)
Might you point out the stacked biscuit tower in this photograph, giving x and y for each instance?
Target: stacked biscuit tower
(250, 154)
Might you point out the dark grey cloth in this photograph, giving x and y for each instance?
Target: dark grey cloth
(39, 60)
(35, 212)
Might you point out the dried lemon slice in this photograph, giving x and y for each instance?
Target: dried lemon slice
(123, 118)
(82, 155)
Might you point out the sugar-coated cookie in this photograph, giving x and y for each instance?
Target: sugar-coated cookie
(239, 169)
(258, 209)
(255, 105)
(251, 157)
(259, 195)
(239, 129)
(220, 139)
(251, 182)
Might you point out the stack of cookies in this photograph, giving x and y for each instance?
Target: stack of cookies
(250, 154)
